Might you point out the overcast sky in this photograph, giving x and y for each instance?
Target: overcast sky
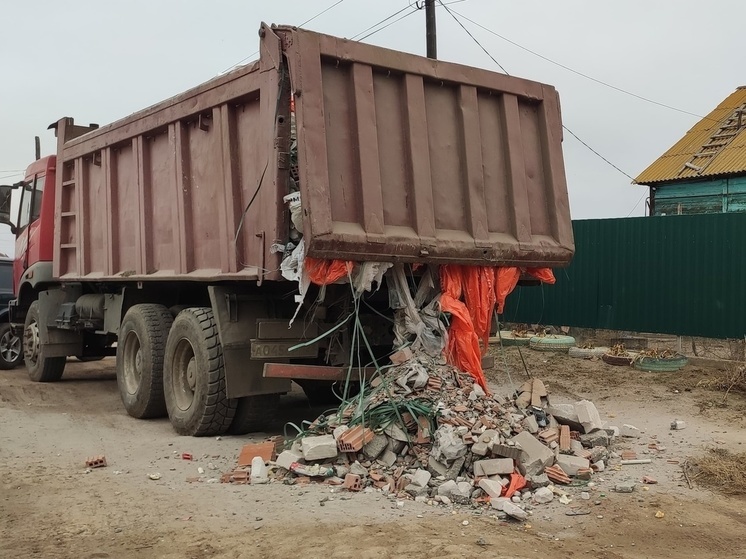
(99, 61)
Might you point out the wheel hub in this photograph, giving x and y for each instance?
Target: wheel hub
(10, 346)
(31, 342)
(192, 374)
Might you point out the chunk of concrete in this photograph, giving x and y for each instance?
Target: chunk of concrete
(630, 431)
(358, 469)
(416, 490)
(287, 458)
(480, 448)
(495, 466)
(447, 488)
(588, 416)
(492, 488)
(565, 414)
(541, 480)
(258, 471)
(499, 502)
(513, 510)
(339, 431)
(534, 455)
(626, 487)
(543, 495)
(571, 464)
(677, 425)
(598, 437)
(388, 458)
(319, 448)
(376, 447)
(421, 477)
(530, 424)
(448, 445)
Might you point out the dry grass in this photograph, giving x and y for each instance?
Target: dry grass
(728, 381)
(721, 470)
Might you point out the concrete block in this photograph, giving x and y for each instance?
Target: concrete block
(495, 466)
(588, 416)
(287, 457)
(513, 510)
(565, 414)
(376, 447)
(388, 458)
(416, 490)
(595, 438)
(492, 488)
(530, 424)
(571, 464)
(480, 448)
(447, 488)
(541, 480)
(534, 455)
(319, 448)
(421, 477)
(630, 431)
(506, 451)
(499, 502)
(677, 425)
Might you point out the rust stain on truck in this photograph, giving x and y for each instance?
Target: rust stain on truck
(400, 158)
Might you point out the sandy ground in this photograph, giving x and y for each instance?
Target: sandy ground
(49, 506)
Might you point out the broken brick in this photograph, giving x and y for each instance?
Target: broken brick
(96, 462)
(557, 474)
(353, 482)
(564, 438)
(354, 439)
(629, 455)
(265, 450)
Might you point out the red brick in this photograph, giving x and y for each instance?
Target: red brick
(564, 437)
(96, 462)
(353, 482)
(557, 474)
(248, 452)
(354, 439)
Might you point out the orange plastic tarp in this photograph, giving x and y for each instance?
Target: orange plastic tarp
(463, 343)
(325, 272)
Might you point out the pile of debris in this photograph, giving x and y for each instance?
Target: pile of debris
(423, 430)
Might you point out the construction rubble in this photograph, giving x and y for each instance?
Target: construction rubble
(422, 430)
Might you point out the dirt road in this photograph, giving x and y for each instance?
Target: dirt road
(49, 506)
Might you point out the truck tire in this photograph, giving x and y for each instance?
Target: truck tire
(11, 348)
(254, 413)
(40, 368)
(194, 377)
(140, 351)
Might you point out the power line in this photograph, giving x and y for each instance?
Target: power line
(586, 76)
(473, 37)
(388, 25)
(506, 72)
(384, 20)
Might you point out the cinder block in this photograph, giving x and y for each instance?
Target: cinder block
(319, 448)
(493, 467)
(534, 455)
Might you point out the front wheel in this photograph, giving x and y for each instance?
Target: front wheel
(11, 351)
(40, 367)
(194, 377)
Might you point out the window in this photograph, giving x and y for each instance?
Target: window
(30, 201)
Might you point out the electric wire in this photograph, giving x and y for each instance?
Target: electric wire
(577, 72)
(453, 14)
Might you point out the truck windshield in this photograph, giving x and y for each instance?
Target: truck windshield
(30, 201)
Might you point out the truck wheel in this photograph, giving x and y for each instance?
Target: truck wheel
(11, 351)
(254, 413)
(40, 367)
(194, 377)
(140, 351)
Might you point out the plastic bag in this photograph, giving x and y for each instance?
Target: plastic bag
(479, 295)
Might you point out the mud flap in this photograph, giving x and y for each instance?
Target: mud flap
(237, 316)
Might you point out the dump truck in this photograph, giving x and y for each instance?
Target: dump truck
(161, 238)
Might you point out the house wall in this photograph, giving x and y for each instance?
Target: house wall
(726, 195)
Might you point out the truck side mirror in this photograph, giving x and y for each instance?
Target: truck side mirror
(5, 195)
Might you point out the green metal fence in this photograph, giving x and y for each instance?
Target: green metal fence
(678, 275)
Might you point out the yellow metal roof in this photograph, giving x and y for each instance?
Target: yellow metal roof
(729, 160)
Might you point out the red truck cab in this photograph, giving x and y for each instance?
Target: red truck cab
(33, 226)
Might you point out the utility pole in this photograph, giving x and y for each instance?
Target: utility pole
(432, 38)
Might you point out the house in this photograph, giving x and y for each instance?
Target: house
(705, 171)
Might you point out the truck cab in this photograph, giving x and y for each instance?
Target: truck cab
(33, 226)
